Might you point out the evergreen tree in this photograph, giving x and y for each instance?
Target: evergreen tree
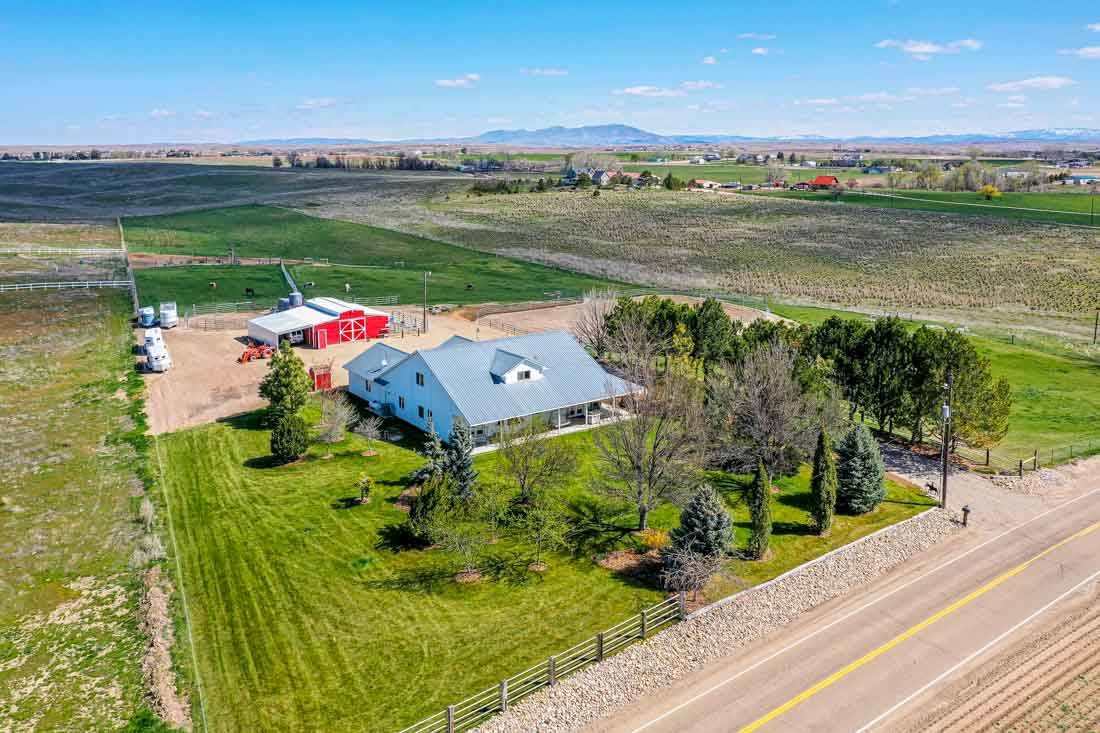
(705, 525)
(712, 332)
(823, 484)
(435, 457)
(760, 508)
(460, 463)
(289, 438)
(860, 474)
(286, 385)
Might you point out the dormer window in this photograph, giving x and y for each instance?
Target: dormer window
(523, 375)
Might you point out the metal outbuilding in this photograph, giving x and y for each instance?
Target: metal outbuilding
(320, 322)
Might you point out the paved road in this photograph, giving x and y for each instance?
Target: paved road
(856, 664)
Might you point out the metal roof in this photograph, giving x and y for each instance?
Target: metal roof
(569, 376)
(375, 360)
(294, 319)
(506, 361)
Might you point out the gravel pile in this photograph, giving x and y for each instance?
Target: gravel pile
(598, 691)
(1032, 482)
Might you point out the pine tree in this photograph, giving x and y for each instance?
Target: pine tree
(460, 463)
(289, 438)
(286, 385)
(760, 508)
(705, 525)
(861, 473)
(823, 484)
(435, 457)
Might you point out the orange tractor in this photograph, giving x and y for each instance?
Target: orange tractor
(255, 350)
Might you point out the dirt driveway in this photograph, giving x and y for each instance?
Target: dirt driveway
(206, 383)
(563, 317)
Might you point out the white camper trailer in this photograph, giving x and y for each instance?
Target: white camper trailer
(153, 339)
(157, 359)
(168, 316)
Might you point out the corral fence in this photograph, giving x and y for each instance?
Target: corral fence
(379, 300)
(478, 708)
(402, 322)
(244, 306)
(508, 328)
(218, 322)
(72, 285)
(63, 251)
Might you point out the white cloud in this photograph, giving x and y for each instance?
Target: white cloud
(882, 97)
(160, 113)
(463, 82)
(499, 120)
(700, 85)
(723, 50)
(1011, 105)
(925, 50)
(1017, 98)
(203, 114)
(819, 102)
(760, 51)
(1035, 82)
(1093, 27)
(757, 36)
(932, 91)
(964, 103)
(1088, 52)
(709, 60)
(544, 72)
(307, 105)
(650, 91)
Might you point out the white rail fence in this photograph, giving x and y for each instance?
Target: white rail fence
(72, 285)
(478, 708)
(70, 251)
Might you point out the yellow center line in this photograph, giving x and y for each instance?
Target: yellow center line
(870, 656)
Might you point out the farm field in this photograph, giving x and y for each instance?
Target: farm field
(100, 191)
(1070, 207)
(1056, 391)
(282, 559)
(397, 261)
(733, 172)
(70, 644)
(188, 285)
(58, 235)
(769, 246)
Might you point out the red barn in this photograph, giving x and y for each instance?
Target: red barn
(825, 182)
(319, 323)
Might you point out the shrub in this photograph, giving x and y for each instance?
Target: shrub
(289, 437)
(861, 473)
(654, 539)
(823, 484)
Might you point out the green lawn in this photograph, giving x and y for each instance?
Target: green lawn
(310, 614)
(1056, 391)
(1070, 207)
(190, 284)
(398, 261)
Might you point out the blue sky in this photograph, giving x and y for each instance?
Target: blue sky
(129, 72)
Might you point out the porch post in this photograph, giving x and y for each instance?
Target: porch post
(586, 414)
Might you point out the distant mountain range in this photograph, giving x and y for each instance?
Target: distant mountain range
(606, 135)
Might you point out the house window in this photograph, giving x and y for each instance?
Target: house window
(401, 402)
(419, 379)
(420, 411)
(369, 383)
(429, 414)
(523, 375)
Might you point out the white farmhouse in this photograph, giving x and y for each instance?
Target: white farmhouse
(482, 384)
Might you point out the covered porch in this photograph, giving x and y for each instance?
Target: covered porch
(560, 421)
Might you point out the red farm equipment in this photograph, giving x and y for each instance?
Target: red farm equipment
(255, 350)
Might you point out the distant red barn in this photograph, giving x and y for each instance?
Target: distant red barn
(825, 182)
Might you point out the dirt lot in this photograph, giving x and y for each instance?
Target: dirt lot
(206, 383)
(564, 316)
(1048, 680)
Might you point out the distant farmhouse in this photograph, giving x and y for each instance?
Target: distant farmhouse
(485, 384)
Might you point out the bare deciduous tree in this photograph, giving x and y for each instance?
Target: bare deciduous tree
(761, 414)
(531, 460)
(654, 455)
(590, 328)
(688, 571)
(370, 430)
(337, 415)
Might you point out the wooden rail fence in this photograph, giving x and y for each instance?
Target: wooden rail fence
(72, 285)
(478, 708)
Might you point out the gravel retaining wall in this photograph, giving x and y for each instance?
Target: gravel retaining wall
(599, 691)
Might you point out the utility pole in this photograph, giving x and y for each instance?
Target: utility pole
(427, 274)
(946, 415)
